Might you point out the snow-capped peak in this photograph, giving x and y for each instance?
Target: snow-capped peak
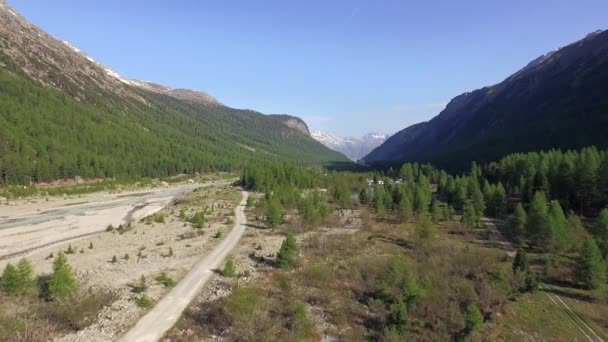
(354, 148)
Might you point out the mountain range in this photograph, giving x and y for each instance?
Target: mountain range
(353, 148)
(558, 100)
(64, 114)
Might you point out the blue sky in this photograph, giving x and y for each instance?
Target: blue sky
(347, 67)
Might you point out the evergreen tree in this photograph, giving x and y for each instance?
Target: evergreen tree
(591, 269)
(62, 282)
(537, 225)
(274, 215)
(288, 252)
(521, 264)
(560, 233)
(229, 268)
(405, 209)
(424, 227)
(10, 282)
(518, 223)
(379, 196)
(469, 216)
(27, 277)
(436, 212)
(422, 196)
(600, 231)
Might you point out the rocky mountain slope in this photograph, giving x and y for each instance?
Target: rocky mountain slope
(65, 114)
(353, 148)
(557, 101)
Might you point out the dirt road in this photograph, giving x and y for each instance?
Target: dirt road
(167, 311)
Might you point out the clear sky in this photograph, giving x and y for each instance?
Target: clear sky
(347, 67)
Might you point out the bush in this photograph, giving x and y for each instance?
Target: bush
(165, 280)
(473, 317)
(143, 301)
(70, 250)
(109, 228)
(198, 220)
(78, 311)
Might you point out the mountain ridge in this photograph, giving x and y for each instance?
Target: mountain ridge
(66, 114)
(555, 101)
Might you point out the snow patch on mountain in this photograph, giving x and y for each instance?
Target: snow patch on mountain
(353, 148)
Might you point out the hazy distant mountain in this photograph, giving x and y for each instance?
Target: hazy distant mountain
(558, 100)
(66, 114)
(353, 148)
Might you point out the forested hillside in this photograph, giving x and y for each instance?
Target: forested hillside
(556, 101)
(62, 115)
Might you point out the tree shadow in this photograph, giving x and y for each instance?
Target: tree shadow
(396, 241)
(569, 294)
(256, 226)
(262, 260)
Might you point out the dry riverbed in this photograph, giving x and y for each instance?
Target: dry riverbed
(163, 242)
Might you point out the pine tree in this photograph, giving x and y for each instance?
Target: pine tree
(62, 282)
(10, 283)
(288, 252)
(422, 196)
(424, 227)
(469, 216)
(229, 268)
(405, 209)
(518, 223)
(521, 264)
(558, 223)
(274, 216)
(600, 231)
(537, 225)
(27, 277)
(591, 269)
(436, 213)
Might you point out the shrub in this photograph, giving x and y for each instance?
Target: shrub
(473, 317)
(198, 220)
(165, 279)
(78, 311)
(109, 228)
(143, 301)
(70, 250)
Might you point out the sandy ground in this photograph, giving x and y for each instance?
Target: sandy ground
(32, 224)
(148, 245)
(167, 311)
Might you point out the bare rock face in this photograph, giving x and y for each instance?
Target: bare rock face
(297, 124)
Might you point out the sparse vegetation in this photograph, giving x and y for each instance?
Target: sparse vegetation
(229, 268)
(165, 280)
